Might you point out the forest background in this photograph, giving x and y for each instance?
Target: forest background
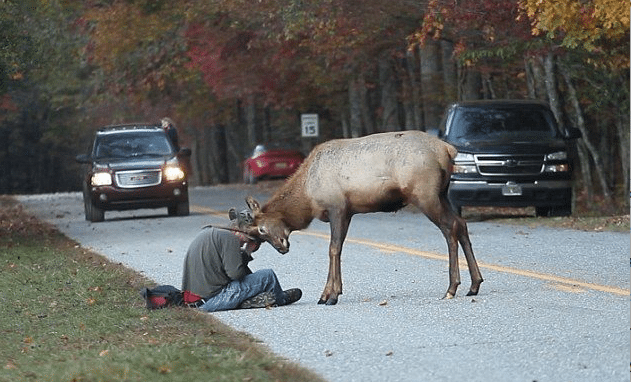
(235, 73)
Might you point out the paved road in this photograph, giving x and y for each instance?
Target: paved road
(554, 305)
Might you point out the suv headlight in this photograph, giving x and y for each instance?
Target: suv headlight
(173, 173)
(101, 179)
(559, 155)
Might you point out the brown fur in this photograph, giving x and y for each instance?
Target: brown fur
(380, 172)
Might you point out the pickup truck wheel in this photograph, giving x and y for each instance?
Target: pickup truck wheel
(554, 211)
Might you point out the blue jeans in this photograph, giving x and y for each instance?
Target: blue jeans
(233, 294)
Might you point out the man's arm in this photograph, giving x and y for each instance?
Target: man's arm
(235, 264)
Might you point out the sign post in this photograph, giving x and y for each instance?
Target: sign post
(309, 124)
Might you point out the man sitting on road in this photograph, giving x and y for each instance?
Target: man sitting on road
(216, 268)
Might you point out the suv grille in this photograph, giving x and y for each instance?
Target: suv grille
(509, 164)
(138, 178)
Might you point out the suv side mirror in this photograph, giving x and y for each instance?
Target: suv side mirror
(83, 158)
(572, 133)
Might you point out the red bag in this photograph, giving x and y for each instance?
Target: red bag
(165, 296)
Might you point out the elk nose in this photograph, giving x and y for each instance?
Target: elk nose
(285, 245)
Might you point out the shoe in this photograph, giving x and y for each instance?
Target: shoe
(292, 295)
(262, 300)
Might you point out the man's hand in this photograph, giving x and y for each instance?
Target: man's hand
(252, 246)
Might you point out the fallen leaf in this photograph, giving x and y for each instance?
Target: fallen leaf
(388, 354)
(104, 353)
(383, 303)
(328, 353)
(164, 369)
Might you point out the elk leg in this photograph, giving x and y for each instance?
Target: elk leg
(440, 214)
(465, 243)
(339, 223)
(454, 269)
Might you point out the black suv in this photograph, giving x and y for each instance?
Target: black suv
(510, 154)
(134, 166)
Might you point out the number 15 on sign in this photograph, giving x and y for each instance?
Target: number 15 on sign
(309, 124)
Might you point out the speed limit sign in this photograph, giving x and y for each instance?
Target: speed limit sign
(309, 124)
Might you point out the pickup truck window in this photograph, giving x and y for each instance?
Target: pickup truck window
(482, 124)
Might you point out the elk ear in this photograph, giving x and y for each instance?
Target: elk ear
(253, 205)
(232, 214)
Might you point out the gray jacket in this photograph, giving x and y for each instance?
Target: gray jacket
(213, 260)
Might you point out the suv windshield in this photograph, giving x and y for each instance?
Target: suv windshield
(500, 124)
(130, 144)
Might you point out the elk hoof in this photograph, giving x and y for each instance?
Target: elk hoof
(330, 301)
(472, 293)
(448, 296)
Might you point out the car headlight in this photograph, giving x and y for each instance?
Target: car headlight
(559, 155)
(101, 179)
(173, 173)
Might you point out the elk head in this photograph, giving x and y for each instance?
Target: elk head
(270, 226)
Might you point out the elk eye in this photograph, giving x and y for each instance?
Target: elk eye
(263, 230)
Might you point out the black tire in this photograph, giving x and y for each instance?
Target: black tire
(565, 210)
(92, 212)
(180, 209)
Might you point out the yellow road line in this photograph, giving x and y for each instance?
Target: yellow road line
(434, 256)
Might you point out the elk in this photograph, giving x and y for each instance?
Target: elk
(379, 172)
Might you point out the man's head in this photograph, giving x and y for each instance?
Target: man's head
(166, 122)
(241, 220)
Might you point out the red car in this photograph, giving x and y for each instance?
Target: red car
(270, 163)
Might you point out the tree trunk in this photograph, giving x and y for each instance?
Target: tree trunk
(368, 116)
(470, 83)
(535, 79)
(389, 115)
(450, 72)
(250, 121)
(355, 108)
(580, 123)
(431, 80)
(413, 114)
(622, 128)
(551, 89)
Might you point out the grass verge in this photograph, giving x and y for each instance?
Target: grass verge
(70, 315)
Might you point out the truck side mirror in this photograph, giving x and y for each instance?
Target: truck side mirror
(572, 133)
(186, 152)
(82, 158)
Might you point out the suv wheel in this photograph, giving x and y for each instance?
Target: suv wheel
(180, 209)
(92, 212)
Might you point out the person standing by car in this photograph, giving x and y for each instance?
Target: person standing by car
(169, 126)
(216, 267)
